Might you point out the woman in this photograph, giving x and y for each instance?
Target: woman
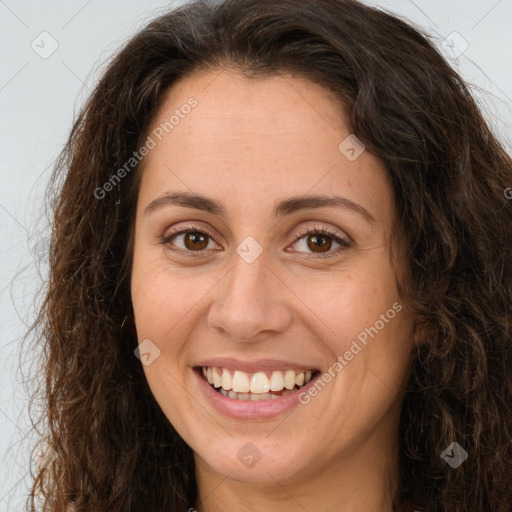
(280, 274)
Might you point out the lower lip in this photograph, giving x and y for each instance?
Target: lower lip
(248, 409)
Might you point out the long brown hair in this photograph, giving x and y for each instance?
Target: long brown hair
(114, 448)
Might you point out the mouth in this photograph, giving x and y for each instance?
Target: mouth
(257, 386)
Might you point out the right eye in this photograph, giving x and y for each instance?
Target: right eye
(193, 240)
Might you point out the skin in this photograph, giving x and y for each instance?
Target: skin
(247, 144)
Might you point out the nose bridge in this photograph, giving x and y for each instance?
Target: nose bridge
(249, 299)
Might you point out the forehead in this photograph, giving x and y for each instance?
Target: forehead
(234, 106)
(259, 138)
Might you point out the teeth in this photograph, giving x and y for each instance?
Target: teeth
(289, 379)
(240, 383)
(259, 383)
(217, 378)
(264, 396)
(276, 381)
(255, 384)
(253, 397)
(226, 380)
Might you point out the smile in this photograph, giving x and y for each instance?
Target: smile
(261, 385)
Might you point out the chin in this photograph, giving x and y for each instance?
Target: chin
(257, 461)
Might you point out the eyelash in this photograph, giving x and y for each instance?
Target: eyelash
(316, 230)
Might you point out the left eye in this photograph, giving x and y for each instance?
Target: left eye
(318, 240)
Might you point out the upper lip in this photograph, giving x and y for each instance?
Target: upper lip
(258, 365)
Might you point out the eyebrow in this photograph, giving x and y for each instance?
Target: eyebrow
(284, 207)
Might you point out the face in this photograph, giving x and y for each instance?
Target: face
(271, 273)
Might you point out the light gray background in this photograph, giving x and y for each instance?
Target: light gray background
(38, 99)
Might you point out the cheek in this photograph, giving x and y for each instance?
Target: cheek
(164, 297)
(165, 305)
(372, 350)
(350, 302)
(369, 332)
(163, 315)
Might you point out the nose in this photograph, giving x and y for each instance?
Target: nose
(250, 302)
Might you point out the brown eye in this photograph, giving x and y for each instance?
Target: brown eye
(195, 240)
(319, 243)
(189, 241)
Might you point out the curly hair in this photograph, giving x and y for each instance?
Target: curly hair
(114, 448)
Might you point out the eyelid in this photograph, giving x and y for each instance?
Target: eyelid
(180, 228)
(321, 228)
